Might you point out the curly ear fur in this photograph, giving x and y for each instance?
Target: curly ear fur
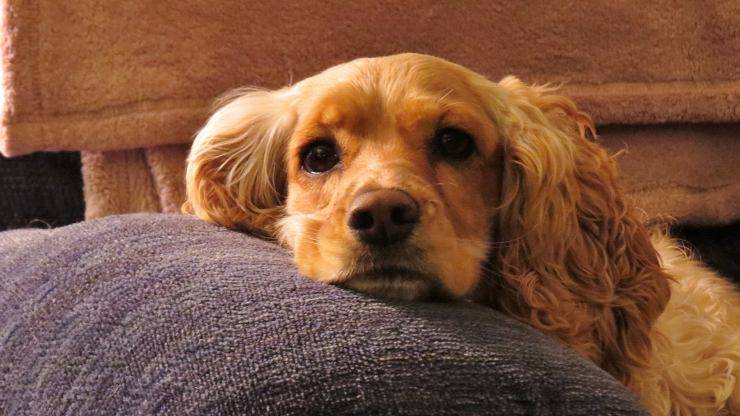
(570, 257)
(236, 174)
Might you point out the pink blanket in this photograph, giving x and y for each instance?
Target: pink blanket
(136, 74)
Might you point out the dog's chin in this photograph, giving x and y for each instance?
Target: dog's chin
(397, 284)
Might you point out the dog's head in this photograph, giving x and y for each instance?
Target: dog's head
(409, 176)
(381, 174)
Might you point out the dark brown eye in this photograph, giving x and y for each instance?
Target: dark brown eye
(453, 144)
(319, 157)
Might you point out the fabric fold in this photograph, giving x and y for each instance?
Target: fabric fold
(167, 165)
(117, 183)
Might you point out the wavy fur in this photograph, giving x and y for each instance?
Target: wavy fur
(601, 270)
(235, 174)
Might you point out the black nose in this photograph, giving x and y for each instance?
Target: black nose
(383, 217)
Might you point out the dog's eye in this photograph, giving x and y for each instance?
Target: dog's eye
(319, 157)
(454, 144)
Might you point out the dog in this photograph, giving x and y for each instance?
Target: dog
(411, 177)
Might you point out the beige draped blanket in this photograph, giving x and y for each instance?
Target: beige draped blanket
(129, 82)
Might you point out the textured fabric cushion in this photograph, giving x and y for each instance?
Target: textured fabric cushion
(164, 314)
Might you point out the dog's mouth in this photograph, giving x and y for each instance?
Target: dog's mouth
(397, 283)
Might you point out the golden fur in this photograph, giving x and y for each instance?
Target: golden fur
(533, 224)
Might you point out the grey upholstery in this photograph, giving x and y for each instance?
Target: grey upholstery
(165, 314)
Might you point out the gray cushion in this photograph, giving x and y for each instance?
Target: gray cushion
(165, 314)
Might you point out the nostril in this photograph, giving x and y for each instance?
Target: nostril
(402, 214)
(361, 220)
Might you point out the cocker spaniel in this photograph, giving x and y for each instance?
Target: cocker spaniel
(411, 177)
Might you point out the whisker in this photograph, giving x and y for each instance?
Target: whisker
(456, 185)
(445, 95)
(488, 244)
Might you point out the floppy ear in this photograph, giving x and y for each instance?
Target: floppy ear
(570, 258)
(236, 169)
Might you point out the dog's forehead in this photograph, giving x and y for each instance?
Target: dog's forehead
(405, 92)
(361, 111)
(403, 69)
